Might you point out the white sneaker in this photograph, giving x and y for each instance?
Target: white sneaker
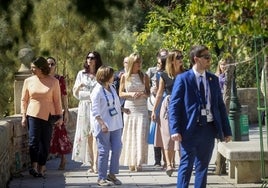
(102, 182)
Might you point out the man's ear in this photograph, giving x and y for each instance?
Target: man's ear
(195, 59)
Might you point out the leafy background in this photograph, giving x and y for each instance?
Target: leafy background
(68, 29)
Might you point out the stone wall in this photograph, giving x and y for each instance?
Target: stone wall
(14, 155)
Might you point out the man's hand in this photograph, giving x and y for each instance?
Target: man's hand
(227, 139)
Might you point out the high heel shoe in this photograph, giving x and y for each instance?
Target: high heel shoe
(169, 170)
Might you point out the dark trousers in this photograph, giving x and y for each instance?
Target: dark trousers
(157, 155)
(196, 150)
(39, 139)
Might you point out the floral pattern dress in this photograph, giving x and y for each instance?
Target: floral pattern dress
(83, 126)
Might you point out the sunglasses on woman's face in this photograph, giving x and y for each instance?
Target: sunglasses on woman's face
(206, 56)
(52, 64)
(91, 57)
(179, 57)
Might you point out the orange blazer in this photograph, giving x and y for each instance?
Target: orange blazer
(41, 97)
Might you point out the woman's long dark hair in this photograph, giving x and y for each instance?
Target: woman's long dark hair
(98, 62)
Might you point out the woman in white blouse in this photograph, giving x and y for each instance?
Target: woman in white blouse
(84, 146)
(108, 125)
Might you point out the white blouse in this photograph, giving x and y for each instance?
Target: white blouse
(100, 98)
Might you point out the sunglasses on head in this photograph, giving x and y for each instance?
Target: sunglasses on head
(206, 56)
(91, 57)
(179, 57)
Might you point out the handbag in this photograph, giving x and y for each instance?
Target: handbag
(151, 134)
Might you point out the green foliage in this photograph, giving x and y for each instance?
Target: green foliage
(67, 30)
(226, 27)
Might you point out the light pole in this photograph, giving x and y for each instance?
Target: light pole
(235, 111)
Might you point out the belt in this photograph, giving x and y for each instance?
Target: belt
(210, 123)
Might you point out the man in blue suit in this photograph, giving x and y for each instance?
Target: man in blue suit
(197, 115)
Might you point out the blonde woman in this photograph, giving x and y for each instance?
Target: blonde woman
(134, 88)
(174, 66)
(220, 72)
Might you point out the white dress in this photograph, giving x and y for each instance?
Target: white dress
(83, 126)
(136, 126)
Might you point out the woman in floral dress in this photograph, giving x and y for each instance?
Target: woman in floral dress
(84, 147)
(60, 143)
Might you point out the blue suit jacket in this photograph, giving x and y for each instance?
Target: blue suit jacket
(184, 105)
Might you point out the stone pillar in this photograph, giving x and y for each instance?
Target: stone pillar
(25, 56)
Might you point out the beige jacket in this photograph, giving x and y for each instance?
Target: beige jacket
(41, 97)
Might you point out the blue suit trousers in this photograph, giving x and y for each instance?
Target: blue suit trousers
(196, 151)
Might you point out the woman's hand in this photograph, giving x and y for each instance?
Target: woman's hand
(23, 121)
(139, 94)
(66, 116)
(153, 90)
(104, 128)
(59, 122)
(153, 116)
(125, 110)
(81, 85)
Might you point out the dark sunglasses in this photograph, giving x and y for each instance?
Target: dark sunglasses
(51, 64)
(179, 57)
(91, 57)
(206, 56)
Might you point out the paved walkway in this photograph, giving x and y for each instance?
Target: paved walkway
(76, 175)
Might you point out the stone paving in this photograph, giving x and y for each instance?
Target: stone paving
(76, 175)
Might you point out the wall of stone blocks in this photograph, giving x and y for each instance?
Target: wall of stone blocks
(14, 154)
(4, 153)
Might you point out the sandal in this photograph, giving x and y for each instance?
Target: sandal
(169, 170)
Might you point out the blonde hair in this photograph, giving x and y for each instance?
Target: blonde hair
(132, 59)
(170, 66)
(218, 70)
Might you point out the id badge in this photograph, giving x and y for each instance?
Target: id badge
(112, 111)
(203, 112)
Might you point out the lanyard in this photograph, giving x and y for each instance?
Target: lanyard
(206, 95)
(105, 94)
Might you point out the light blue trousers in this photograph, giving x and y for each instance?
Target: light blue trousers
(106, 142)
